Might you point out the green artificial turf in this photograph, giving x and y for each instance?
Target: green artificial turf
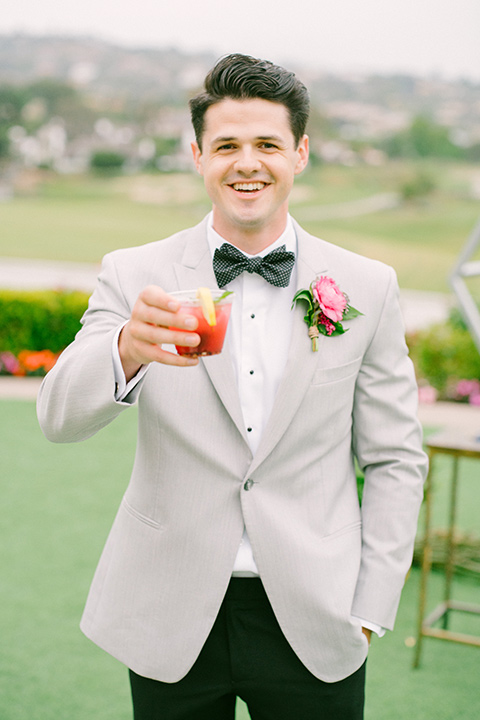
(58, 503)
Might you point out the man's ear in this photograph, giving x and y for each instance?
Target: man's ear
(302, 155)
(197, 157)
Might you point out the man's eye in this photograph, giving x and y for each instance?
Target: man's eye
(268, 146)
(227, 146)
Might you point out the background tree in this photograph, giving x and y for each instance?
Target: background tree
(424, 138)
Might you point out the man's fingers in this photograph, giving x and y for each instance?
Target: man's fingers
(156, 297)
(156, 307)
(155, 353)
(156, 321)
(161, 335)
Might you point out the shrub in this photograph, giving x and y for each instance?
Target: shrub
(107, 161)
(419, 186)
(443, 355)
(39, 320)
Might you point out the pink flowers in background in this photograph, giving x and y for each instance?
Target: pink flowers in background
(427, 395)
(463, 391)
(327, 306)
(9, 364)
(331, 300)
(468, 391)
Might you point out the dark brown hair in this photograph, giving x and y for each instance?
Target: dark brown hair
(242, 77)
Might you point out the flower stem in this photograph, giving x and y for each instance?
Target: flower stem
(313, 333)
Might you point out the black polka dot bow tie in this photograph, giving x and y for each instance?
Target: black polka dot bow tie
(276, 267)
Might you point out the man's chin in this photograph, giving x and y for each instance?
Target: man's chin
(251, 219)
(248, 221)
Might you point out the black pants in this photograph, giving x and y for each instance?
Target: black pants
(247, 655)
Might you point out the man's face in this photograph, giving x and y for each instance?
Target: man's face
(248, 162)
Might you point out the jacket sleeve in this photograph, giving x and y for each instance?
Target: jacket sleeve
(387, 442)
(77, 397)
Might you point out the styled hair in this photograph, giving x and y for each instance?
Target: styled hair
(241, 77)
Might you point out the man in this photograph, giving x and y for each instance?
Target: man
(240, 562)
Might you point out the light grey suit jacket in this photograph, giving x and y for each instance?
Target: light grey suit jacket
(168, 559)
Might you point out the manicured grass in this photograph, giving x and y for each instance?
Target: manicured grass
(421, 241)
(82, 218)
(84, 230)
(58, 503)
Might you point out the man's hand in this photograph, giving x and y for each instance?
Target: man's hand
(148, 328)
(367, 633)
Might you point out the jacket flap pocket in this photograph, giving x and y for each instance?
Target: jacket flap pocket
(336, 373)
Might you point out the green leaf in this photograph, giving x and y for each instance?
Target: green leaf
(351, 313)
(303, 295)
(306, 297)
(223, 296)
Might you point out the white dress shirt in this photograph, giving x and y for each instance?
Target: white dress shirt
(259, 354)
(258, 350)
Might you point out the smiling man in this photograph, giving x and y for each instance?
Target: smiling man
(248, 157)
(241, 563)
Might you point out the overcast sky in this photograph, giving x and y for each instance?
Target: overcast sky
(413, 36)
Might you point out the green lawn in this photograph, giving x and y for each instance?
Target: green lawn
(82, 218)
(80, 226)
(58, 503)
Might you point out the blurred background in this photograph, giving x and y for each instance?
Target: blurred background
(95, 155)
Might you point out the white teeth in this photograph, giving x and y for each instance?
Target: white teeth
(249, 187)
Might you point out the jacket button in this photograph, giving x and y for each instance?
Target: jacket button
(248, 485)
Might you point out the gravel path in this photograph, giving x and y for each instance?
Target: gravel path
(443, 415)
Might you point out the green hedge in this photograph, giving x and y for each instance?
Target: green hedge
(39, 320)
(444, 354)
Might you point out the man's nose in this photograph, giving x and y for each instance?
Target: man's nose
(247, 160)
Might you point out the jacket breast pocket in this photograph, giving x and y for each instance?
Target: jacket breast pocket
(327, 375)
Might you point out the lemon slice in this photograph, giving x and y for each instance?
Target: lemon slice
(208, 307)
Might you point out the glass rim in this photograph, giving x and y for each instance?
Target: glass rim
(190, 296)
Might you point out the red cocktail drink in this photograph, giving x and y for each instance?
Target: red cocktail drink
(211, 336)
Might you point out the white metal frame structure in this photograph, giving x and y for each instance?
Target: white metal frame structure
(464, 269)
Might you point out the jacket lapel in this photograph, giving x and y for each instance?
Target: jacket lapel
(301, 361)
(194, 271)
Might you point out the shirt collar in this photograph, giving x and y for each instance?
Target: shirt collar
(287, 238)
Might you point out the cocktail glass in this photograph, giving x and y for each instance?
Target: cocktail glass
(211, 336)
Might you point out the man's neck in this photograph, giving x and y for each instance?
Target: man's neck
(250, 240)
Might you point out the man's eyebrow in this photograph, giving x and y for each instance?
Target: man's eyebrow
(217, 140)
(268, 138)
(264, 138)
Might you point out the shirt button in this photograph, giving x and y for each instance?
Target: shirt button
(251, 372)
(249, 429)
(252, 316)
(248, 485)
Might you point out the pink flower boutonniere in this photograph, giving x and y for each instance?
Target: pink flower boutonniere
(327, 308)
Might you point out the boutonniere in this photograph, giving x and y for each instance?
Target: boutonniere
(327, 308)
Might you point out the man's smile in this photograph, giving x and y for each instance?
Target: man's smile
(248, 187)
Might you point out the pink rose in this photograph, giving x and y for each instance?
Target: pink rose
(331, 300)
